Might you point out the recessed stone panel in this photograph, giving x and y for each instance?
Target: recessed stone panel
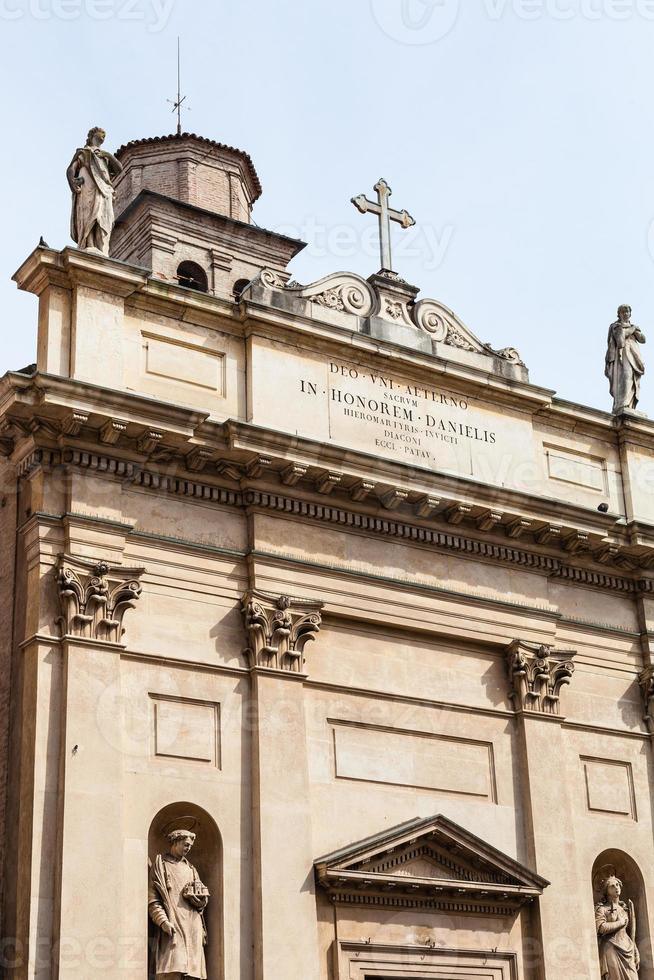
(190, 364)
(414, 759)
(185, 729)
(609, 787)
(567, 466)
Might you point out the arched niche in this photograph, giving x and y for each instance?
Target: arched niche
(207, 856)
(617, 862)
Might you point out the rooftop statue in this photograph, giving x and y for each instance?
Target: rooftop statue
(89, 176)
(624, 366)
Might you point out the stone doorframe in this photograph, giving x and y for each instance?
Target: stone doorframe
(373, 961)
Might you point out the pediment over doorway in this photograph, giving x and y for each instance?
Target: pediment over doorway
(432, 863)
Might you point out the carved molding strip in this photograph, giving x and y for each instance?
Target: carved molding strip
(428, 904)
(278, 629)
(537, 674)
(139, 476)
(94, 597)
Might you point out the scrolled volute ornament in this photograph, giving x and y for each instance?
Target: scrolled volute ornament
(94, 597)
(272, 279)
(538, 673)
(278, 629)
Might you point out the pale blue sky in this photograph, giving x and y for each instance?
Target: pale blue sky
(517, 132)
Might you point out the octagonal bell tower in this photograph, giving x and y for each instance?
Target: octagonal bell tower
(184, 206)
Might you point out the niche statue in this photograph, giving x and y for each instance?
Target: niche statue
(176, 903)
(624, 366)
(616, 933)
(89, 177)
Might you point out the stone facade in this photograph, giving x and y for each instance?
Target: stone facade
(315, 571)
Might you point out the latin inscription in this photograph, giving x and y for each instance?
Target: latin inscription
(406, 420)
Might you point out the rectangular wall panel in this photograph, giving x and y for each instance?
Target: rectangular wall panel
(609, 787)
(414, 759)
(168, 358)
(185, 729)
(579, 469)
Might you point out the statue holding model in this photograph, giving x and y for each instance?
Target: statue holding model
(176, 903)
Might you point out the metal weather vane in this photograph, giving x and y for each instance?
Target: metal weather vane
(385, 214)
(179, 101)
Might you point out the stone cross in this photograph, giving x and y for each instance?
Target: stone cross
(385, 214)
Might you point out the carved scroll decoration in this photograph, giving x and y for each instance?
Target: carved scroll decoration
(94, 597)
(278, 629)
(537, 674)
(343, 292)
(446, 328)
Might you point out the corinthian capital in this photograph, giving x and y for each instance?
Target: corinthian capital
(94, 597)
(278, 629)
(538, 673)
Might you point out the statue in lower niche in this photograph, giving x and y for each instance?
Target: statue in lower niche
(615, 922)
(176, 903)
(90, 179)
(624, 366)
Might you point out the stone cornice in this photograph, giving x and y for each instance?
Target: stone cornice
(50, 421)
(168, 480)
(47, 266)
(71, 266)
(183, 430)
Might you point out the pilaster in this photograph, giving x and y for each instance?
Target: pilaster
(278, 627)
(538, 675)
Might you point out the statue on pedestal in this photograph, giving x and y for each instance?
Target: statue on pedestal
(615, 922)
(176, 902)
(89, 177)
(624, 366)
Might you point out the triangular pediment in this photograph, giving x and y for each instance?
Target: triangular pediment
(432, 860)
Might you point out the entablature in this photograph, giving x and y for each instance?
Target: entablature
(55, 421)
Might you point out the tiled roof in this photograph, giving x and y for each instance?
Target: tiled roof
(199, 139)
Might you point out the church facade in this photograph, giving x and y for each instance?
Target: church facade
(311, 573)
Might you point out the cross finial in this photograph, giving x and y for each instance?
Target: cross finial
(177, 103)
(385, 215)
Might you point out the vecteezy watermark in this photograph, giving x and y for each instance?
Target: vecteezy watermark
(564, 10)
(427, 21)
(345, 241)
(154, 14)
(415, 21)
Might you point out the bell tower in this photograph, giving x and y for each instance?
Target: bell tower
(183, 211)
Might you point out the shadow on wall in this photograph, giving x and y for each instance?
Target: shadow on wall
(616, 862)
(207, 857)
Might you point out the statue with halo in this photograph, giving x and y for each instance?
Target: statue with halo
(176, 903)
(615, 922)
